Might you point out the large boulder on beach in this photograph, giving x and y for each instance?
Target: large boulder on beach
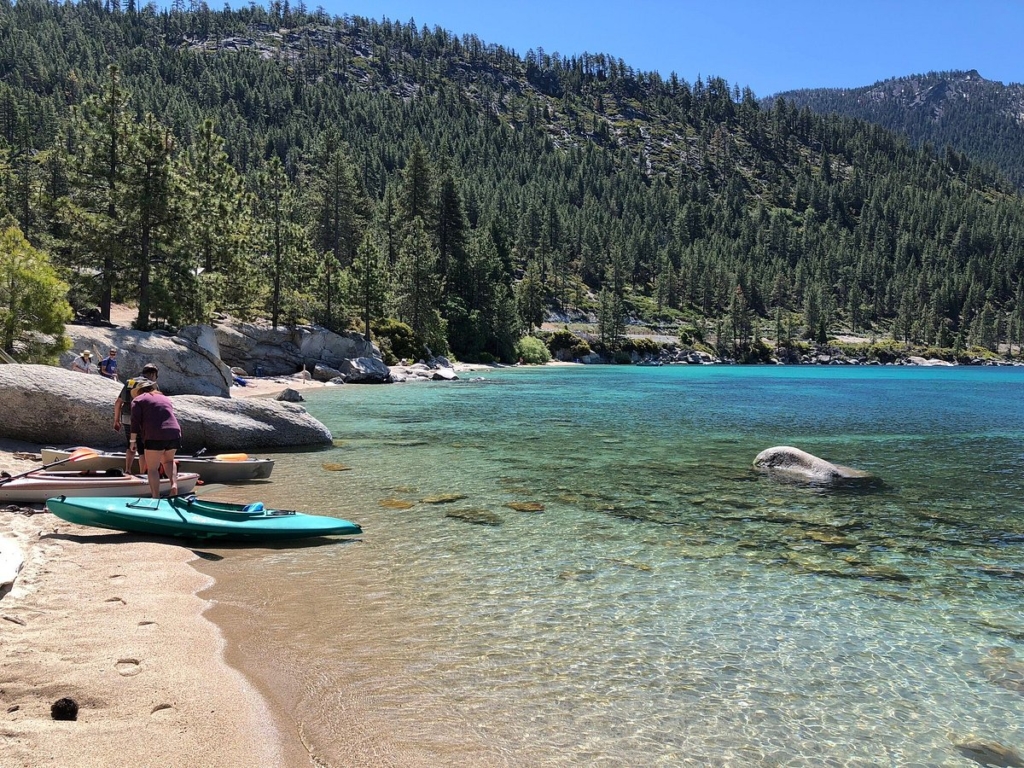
(280, 351)
(52, 406)
(186, 366)
(246, 424)
(365, 370)
(789, 463)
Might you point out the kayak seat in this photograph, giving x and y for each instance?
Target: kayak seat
(256, 506)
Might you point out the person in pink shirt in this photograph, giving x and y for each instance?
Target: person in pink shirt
(154, 424)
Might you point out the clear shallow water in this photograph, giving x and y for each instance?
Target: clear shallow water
(669, 605)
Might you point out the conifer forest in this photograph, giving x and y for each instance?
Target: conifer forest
(437, 191)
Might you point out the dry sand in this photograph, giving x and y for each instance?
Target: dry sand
(114, 622)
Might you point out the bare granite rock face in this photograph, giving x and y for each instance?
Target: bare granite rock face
(52, 406)
(246, 424)
(186, 367)
(793, 464)
(280, 351)
(200, 358)
(365, 370)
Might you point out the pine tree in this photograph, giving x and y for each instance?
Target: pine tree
(369, 283)
(417, 288)
(339, 216)
(213, 222)
(286, 253)
(150, 203)
(416, 196)
(530, 294)
(104, 132)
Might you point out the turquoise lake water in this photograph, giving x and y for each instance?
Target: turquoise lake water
(668, 605)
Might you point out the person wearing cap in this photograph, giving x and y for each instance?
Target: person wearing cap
(122, 408)
(154, 423)
(82, 363)
(108, 365)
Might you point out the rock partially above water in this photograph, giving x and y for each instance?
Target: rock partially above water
(788, 463)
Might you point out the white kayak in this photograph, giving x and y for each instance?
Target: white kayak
(37, 487)
(220, 468)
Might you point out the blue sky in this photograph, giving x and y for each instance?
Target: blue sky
(768, 46)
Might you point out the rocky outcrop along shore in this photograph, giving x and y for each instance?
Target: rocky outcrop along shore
(52, 406)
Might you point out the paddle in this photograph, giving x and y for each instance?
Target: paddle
(76, 455)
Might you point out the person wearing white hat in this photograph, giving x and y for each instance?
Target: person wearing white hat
(83, 363)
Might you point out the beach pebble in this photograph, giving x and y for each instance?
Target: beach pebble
(64, 709)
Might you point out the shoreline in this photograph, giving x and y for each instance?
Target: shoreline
(116, 623)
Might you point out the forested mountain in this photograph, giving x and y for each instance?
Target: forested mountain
(981, 118)
(376, 173)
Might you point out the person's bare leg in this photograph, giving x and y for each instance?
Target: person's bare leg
(153, 472)
(171, 470)
(129, 459)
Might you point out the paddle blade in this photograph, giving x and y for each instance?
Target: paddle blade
(76, 455)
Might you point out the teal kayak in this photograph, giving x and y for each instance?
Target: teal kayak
(196, 518)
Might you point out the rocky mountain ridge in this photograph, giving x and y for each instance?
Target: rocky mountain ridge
(980, 117)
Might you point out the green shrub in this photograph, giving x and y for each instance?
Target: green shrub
(567, 342)
(532, 351)
(643, 346)
(397, 341)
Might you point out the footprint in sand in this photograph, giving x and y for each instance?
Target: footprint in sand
(128, 667)
(161, 708)
(146, 623)
(115, 600)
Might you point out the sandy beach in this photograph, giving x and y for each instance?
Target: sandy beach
(115, 622)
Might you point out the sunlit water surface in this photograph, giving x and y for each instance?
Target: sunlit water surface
(664, 604)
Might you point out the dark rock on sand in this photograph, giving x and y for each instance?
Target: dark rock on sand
(64, 709)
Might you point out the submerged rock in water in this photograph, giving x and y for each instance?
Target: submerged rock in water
(788, 463)
(990, 753)
(475, 516)
(396, 503)
(443, 498)
(526, 506)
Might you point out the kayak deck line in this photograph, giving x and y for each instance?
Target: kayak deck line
(255, 509)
